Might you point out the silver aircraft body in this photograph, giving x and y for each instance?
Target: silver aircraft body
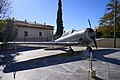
(73, 37)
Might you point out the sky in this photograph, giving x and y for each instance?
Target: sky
(75, 12)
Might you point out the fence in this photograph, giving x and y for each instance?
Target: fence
(33, 39)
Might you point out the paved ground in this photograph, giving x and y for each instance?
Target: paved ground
(38, 64)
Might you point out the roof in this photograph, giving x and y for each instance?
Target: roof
(19, 23)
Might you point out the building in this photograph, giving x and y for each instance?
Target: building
(29, 31)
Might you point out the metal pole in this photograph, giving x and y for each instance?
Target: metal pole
(115, 3)
(14, 46)
(91, 58)
(91, 72)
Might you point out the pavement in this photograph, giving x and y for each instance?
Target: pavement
(38, 64)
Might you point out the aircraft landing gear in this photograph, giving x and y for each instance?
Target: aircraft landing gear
(89, 49)
(71, 51)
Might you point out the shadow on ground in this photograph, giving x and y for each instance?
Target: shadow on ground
(58, 59)
(9, 55)
(100, 55)
(42, 62)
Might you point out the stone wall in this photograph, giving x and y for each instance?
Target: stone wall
(108, 42)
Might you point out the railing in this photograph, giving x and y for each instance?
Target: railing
(34, 39)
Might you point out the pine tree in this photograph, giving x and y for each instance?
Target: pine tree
(107, 21)
(59, 21)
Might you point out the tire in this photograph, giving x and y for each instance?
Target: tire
(89, 49)
(71, 51)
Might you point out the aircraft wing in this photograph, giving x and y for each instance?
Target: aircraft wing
(44, 43)
(99, 39)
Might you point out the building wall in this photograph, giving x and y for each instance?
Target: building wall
(33, 34)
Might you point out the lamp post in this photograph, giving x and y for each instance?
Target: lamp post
(115, 9)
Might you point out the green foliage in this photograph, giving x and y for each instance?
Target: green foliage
(59, 21)
(2, 29)
(107, 35)
(8, 30)
(99, 34)
(106, 23)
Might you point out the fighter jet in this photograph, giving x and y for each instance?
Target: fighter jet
(70, 38)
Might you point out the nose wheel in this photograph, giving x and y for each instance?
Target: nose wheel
(71, 51)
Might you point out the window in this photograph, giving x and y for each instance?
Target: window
(40, 33)
(25, 33)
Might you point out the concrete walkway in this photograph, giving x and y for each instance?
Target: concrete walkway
(38, 64)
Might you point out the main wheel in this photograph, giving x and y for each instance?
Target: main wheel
(89, 49)
(71, 51)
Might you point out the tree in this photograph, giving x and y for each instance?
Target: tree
(4, 9)
(2, 29)
(107, 21)
(8, 32)
(59, 21)
(4, 24)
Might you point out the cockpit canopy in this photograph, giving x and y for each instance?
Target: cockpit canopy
(68, 32)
